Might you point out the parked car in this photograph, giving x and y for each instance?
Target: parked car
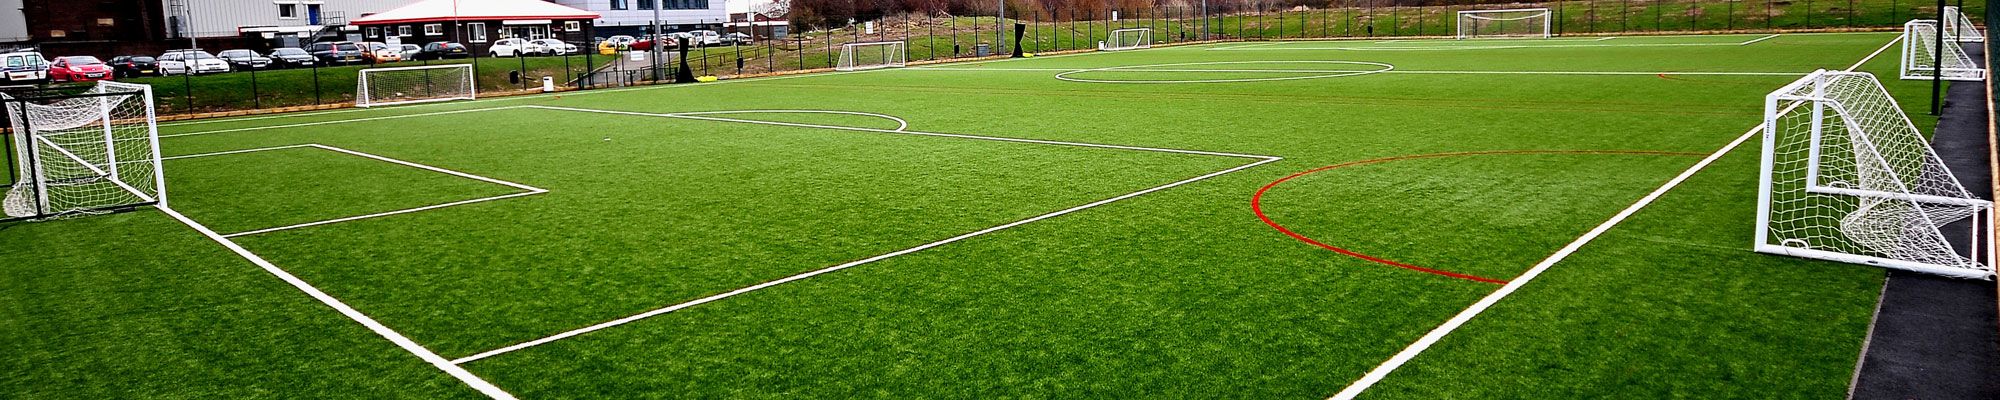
(134, 66)
(621, 41)
(704, 38)
(647, 45)
(184, 62)
(443, 50)
(737, 38)
(379, 52)
(331, 53)
(556, 47)
(410, 50)
(292, 57)
(78, 69)
(24, 67)
(516, 47)
(240, 59)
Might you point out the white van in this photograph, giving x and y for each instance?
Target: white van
(23, 67)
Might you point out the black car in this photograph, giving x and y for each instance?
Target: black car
(332, 53)
(241, 60)
(292, 57)
(443, 50)
(134, 66)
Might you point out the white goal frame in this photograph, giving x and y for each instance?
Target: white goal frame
(1959, 28)
(1919, 47)
(1845, 176)
(1127, 39)
(893, 54)
(89, 153)
(445, 82)
(1468, 22)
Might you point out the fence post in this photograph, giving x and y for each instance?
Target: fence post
(1809, 8)
(315, 72)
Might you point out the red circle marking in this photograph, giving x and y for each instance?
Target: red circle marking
(1257, 200)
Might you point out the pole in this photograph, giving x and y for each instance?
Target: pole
(1937, 63)
(657, 44)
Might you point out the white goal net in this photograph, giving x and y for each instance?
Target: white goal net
(1127, 39)
(871, 55)
(1510, 23)
(93, 152)
(404, 85)
(1847, 177)
(1921, 58)
(1959, 28)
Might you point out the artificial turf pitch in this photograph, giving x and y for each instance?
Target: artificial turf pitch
(1468, 159)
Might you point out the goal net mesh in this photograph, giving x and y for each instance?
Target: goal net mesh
(85, 153)
(862, 56)
(1848, 177)
(1920, 55)
(1517, 23)
(1129, 39)
(403, 85)
(1959, 28)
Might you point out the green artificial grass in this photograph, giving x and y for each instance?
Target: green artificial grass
(1182, 292)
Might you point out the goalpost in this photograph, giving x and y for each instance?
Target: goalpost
(88, 153)
(1847, 177)
(1920, 53)
(1127, 39)
(1959, 28)
(1509, 23)
(421, 84)
(871, 55)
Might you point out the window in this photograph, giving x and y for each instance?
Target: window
(374, 31)
(433, 29)
(477, 32)
(288, 11)
(645, 4)
(573, 26)
(403, 30)
(618, 4)
(686, 4)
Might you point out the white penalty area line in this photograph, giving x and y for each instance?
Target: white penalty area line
(340, 121)
(525, 189)
(1389, 366)
(1748, 42)
(404, 342)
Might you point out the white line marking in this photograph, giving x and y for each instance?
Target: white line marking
(411, 346)
(1605, 38)
(900, 123)
(677, 307)
(1397, 71)
(528, 190)
(433, 169)
(1424, 343)
(950, 135)
(383, 214)
(224, 153)
(341, 121)
(1748, 42)
(1492, 47)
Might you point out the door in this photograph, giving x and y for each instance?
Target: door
(312, 14)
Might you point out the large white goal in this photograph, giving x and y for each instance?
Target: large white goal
(1509, 23)
(1127, 39)
(1959, 28)
(73, 154)
(1921, 57)
(872, 55)
(421, 84)
(1847, 177)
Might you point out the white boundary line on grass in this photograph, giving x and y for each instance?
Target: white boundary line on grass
(1393, 71)
(529, 191)
(404, 342)
(1261, 160)
(1748, 42)
(342, 121)
(1424, 343)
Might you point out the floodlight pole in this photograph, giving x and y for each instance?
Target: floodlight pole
(656, 40)
(1937, 63)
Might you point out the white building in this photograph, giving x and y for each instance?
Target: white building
(631, 17)
(217, 18)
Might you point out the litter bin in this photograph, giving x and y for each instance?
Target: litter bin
(982, 50)
(548, 84)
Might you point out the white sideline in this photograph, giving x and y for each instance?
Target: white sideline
(404, 342)
(1605, 38)
(1393, 71)
(1748, 42)
(526, 190)
(1388, 366)
(341, 121)
(900, 123)
(851, 264)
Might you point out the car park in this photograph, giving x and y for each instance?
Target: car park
(410, 50)
(621, 41)
(240, 59)
(337, 53)
(292, 57)
(443, 50)
(23, 67)
(133, 66)
(555, 46)
(78, 69)
(647, 45)
(704, 38)
(515, 47)
(378, 52)
(183, 62)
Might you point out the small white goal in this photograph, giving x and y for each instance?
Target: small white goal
(79, 154)
(1959, 28)
(872, 55)
(1508, 23)
(1127, 39)
(421, 84)
(1847, 177)
(1922, 57)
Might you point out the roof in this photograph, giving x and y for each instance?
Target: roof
(474, 10)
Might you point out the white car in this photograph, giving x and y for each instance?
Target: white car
(24, 67)
(621, 41)
(410, 51)
(555, 47)
(182, 62)
(516, 47)
(705, 38)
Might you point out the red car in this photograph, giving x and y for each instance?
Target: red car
(79, 69)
